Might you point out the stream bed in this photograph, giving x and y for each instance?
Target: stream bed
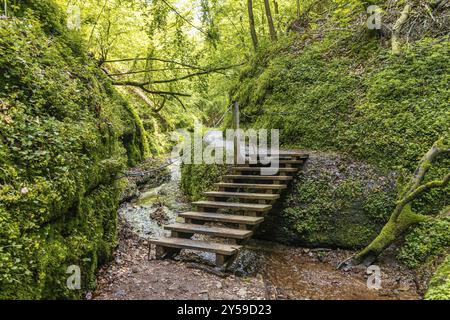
(264, 270)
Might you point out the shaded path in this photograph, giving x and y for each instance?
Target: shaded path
(264, 270)
(276, 272)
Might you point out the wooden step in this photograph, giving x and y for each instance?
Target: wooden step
(280, 161)
(255, 177)
(281, 153)
(234, 205)
(209, 230)
(242, 195)
(178, 243)
(224, 218)
(254, 169)
(251, 186)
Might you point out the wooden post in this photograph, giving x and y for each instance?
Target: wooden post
(236, 127)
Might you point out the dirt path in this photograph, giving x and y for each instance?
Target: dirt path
(264, 270)
(277, 272)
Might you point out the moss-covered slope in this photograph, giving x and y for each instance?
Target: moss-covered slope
(349, 95)
(65, 134)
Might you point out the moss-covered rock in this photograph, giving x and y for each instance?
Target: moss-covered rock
(346, 93)
(333, 202)
(65, 134)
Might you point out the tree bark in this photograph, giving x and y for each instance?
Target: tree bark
(403, 217)
(275, 7)
(273, 32)
(396, 43)
(251, 20)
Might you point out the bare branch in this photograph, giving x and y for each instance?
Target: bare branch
(426, 187)
(180, 102)
(155, 59)
(166, 93)
(191, 75)
(162, 105)
(145, 71)
(424, 165)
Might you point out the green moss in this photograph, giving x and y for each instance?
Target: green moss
(426, 242)
(319, 212)
(348, 94)
(439, 288)
(199, 178)
(65, 134)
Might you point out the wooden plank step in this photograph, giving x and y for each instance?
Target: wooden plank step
(251, 186)
(253, 169)
(223, 249)
(255, 177)
(281, 161)
(209, 230)
(281, 153)
(224, 218)
(234, 205)
(242, 195)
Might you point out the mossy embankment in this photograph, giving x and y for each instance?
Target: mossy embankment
(376, 112)
(65, 134)
(345, 96)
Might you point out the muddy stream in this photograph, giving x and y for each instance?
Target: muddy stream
(264, 270)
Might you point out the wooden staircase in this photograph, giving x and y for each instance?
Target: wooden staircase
(230, 215)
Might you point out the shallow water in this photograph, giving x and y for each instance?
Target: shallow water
(288, 273)
(156, 207)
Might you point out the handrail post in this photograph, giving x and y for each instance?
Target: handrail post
(236, 127)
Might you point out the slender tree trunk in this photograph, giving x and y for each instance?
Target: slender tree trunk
(273, 32)
(251, 19)
(396, 43)
(275, 6)
(403, 217)
(298, 8)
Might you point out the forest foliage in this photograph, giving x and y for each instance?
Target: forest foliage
(80, 103)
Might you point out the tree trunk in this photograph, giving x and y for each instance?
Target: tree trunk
(251, 19)
(403, 217)
(394, 229)
(396, 43)
(298, 8)
(273, 32)
(275, 7)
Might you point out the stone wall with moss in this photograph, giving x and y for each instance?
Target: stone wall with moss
(333, 202)
(65, 134)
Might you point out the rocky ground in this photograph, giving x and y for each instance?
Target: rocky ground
(264, 271)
